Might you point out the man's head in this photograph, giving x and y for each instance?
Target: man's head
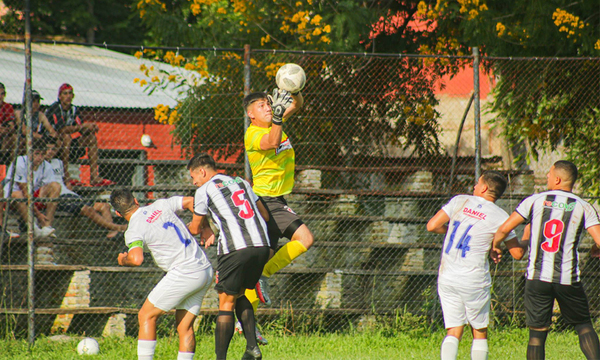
(258, 108)
(39, 151)
(35, 100)
(51, 147)
(562, 176)
(124, 202)
(2, 93)
(202, 168)
(65, 95)
(491, 184)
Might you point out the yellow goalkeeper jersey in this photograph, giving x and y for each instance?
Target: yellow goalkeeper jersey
(272, 170)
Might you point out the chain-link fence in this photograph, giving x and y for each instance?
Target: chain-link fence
(382, 142)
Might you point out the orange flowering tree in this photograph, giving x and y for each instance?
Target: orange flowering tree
(540, 105)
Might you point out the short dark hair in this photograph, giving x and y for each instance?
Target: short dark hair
(202, 160)
(122, 200)
(254, 97)
(2, 86)
(496, 183)
(38, 144)
(568, 168)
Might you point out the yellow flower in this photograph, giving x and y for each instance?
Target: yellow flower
(316, 32)
(155, 79)
(316, 20)
(136, 80)
(221, 11)
(138, 54)
(265, 39)
(152, 68)
(422, 8)
(500, 28)
(189, 66)
(143, 82)
(172, 78)
(325, 39)
(597, 45)
(473, 14)
(195, 9)
(298, 3)
(327, 29)
(143, 67)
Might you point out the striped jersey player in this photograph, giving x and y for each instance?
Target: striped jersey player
(555, 221)
(464, 279)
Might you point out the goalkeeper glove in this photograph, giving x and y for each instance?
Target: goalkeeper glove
(280, 101)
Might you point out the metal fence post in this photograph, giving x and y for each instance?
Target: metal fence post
(477, 114)
(30, 244)
(247, 169)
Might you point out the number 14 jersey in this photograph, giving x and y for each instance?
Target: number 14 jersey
(557, 220)
(473, 223)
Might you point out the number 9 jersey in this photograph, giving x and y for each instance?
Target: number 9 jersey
(232, 207)
(557, 220)
(473, 223)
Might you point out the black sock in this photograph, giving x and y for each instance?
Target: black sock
(223, 333)
(588, 341)
(245, 314)
(536, 349)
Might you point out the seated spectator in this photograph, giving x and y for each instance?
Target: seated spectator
(39, 122)
(44, 186)
(7, 128)
(98, 212)
(75, 134)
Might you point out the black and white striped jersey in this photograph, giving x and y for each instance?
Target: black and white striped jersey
(231, 204)
(557, 220)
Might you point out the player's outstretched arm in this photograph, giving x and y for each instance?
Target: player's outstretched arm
(438, 223)
(135, 257)
(594, 231)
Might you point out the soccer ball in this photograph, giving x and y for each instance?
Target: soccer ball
(291, 77)
(146, 140)
(88, 346)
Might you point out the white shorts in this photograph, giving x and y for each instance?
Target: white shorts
(465, 306)
(181, 291)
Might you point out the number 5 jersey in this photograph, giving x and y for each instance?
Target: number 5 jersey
(473, 223)
(232, 207)
(157, 228)
(557, 220)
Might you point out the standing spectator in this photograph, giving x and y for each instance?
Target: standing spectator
(39, 122)
(97, 212)
(556, 219)
(242, 249)
(75, 134)
(464, 280)
(175, 251)
(272, 160)
(44, 186)
(7, 128)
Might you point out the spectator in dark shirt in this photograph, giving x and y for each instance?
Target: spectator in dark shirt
(75, 134)
(39, 122)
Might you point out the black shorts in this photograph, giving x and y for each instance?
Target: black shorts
(539, 301)
(283, 221)
(240, 269)
(71, 207)
(76, 151)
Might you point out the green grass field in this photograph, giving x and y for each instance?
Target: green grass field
(504, 344)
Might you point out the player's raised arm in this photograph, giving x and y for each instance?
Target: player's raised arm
(438, 224)
(297, 103)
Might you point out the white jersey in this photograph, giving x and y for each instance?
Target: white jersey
(473, 223)
(232, 206)
(557, 220)
(59, 170)
(162, 232)
(42, 176)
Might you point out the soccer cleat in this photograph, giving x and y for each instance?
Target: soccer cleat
(252, 354)
(260, 339)
(43, 232)
(10, 235)
(262, 290)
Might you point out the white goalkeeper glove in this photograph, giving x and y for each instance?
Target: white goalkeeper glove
(280, 101)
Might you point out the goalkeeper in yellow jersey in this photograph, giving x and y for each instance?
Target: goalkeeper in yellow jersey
(272, 160)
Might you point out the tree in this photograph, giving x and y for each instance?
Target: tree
(547, 103)
(109, 21)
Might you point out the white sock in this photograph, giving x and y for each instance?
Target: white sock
(145, 349)
(185, 356)
(479, 349)
(449, 348)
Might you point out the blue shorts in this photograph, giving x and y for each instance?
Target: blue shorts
(71, 207)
